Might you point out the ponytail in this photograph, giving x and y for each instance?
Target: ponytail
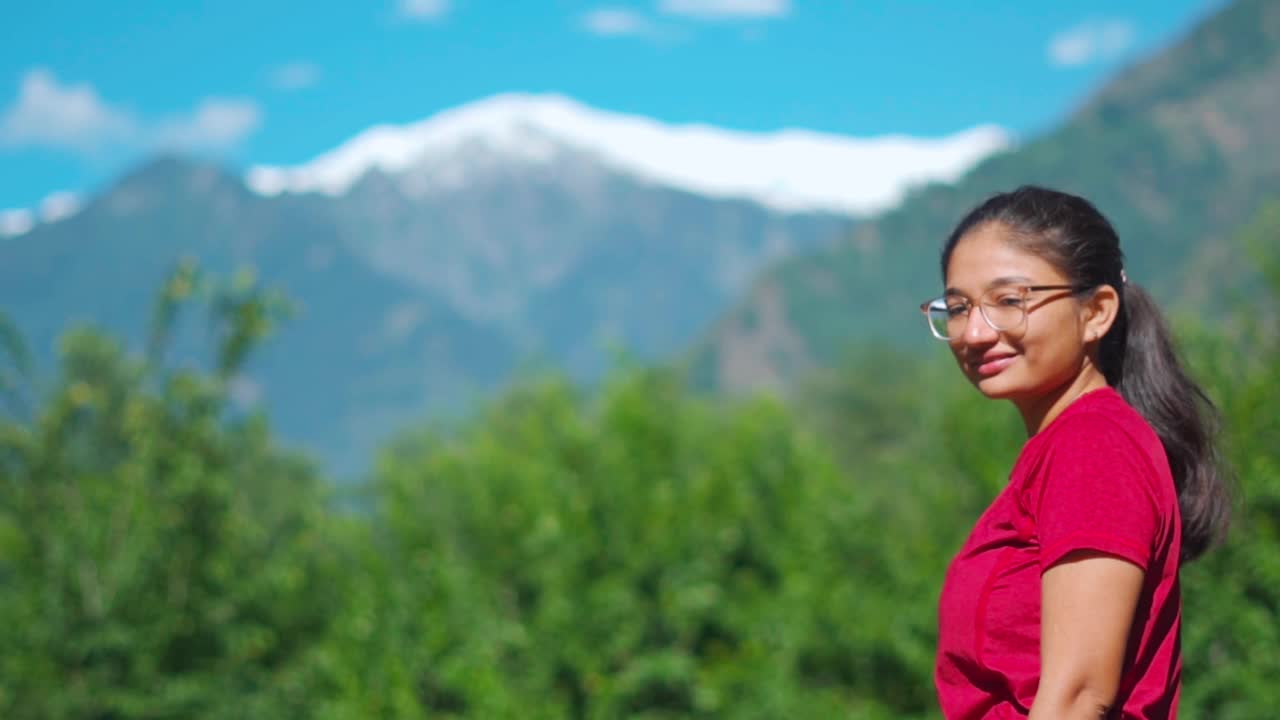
(1139, 360)
(1137, 355)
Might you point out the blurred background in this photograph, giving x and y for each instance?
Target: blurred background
(454, 358)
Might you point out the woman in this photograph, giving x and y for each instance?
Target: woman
(1064, 602)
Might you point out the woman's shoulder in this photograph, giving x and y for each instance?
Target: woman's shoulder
(1099, 415)
(1102, 431)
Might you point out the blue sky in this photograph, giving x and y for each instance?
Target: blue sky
(89, 88)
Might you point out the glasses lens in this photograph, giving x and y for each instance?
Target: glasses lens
(1005, 308)
(939, 318)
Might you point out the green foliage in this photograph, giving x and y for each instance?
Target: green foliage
(15, 365)
(637, 554)
(1232, 611)
(1233, 595)
(158, 557)
(243, 316)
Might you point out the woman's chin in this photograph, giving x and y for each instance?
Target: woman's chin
(995, 387)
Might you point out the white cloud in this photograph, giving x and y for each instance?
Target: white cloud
(423, 9)
(51, 114)
(613, 22)
(48, 113)
(215, 124)
(726, 9)
(295, 76)
(59, 205)
(1091, 41)
(54, 207)
(16, 222)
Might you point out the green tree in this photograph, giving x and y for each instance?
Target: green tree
(638, 553)
(160, 556)
(1232, 613)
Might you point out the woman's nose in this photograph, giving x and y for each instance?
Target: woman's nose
(977, 329)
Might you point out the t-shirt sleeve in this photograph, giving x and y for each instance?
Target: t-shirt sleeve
(1096, 494)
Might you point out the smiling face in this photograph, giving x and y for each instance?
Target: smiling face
(1039, 363)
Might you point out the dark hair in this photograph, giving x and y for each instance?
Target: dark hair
(1137, 354)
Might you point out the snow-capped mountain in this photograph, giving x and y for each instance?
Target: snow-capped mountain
(788, 170)
(429, 260)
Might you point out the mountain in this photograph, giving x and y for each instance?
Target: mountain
(431, 261)
(1178, 151)
(337, 377)
(498, 203)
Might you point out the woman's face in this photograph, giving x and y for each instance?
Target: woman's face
(1045, 353)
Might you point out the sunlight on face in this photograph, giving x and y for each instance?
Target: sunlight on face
(1029, 362)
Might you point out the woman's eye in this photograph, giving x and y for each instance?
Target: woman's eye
(956, 310)
(1009, 300)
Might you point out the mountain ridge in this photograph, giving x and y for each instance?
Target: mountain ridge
(409, 306)
(790, 170)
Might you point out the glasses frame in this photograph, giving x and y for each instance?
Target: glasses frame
(1024, 289)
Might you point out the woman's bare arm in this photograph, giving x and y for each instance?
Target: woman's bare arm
(1087, 605)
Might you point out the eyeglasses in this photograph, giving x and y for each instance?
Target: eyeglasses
(1004, 308)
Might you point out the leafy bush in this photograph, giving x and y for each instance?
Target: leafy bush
(639, 553)
(159, 556)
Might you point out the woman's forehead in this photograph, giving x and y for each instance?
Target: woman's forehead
(988, 256)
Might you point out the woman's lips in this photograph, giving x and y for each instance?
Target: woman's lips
(995, 364)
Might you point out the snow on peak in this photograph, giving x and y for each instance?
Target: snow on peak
(788, 170)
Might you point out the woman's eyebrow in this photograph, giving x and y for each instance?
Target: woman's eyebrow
(1009, 280)
(998, 282)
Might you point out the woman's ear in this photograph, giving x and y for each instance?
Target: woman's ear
(1100, 312)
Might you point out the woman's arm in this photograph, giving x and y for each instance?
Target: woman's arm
(1086, 612)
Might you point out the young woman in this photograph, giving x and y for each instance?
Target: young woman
(1064, 602)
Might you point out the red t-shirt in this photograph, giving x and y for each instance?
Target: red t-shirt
(1096, 478)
